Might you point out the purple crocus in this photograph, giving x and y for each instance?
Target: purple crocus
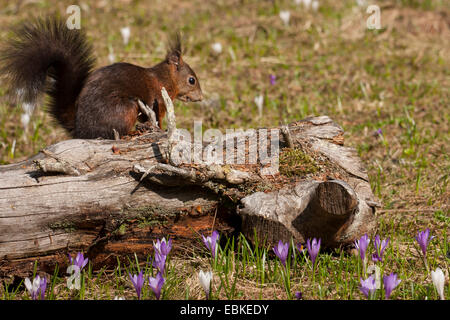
(79, 260)
(281, 251)
(362, 245)
(423, 238)
(42, 287)
(37, 288)
(298, 295)
(156, 284)
(380, 246)
(368, 286)
(272, 78)
(138, 282)
(390, 282)
(163, 246)
(159, 262)
(313, 248)
(211, 242)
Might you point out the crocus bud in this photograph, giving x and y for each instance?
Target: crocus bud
(438, 281)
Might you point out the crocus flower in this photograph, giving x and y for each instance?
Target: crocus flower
(361, 3)
(438, 278)
(37, 288)
(368, 286)
(281, 251)
(423, 238)
(79, 260)
(285, 16)
(300, 247)
(306, 3)
(379, 132)
(313, 248)
(380, 246)
(390, 282)
(25, 120)
(272, 79)
(125, 32)
(25, 117)
(362, 245)
(298, 295)
(205, 279)
(111, 55)
(217, 48)
(138, 282)
(259, 100)
(42, 287)
(211, 242)
(156, 284)
(163, 246)
(159, 262)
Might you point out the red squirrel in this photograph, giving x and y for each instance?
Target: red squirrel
(90, 104)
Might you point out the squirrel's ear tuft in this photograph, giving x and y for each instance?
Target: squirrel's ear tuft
(175, 50)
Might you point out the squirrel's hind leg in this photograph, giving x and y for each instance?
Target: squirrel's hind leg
(120, 116)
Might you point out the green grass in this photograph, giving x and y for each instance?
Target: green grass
(325, 62)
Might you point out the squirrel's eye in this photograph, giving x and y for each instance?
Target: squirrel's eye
(192, 80)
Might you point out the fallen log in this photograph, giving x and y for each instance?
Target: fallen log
(113, 198)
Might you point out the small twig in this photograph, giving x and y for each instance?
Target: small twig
(148, 112)
(287, 136)
(167, 168)
(56, 165)
(60, 166)
(171, 123)
(116, 135)
(214, 221)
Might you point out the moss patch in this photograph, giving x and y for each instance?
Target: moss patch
(294, 162)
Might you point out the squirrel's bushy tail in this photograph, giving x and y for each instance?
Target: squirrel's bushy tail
(47, 50)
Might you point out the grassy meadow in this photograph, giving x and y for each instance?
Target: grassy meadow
(388, 88)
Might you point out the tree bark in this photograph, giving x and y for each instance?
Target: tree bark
(113, 198)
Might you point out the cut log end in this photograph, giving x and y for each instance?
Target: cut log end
(336, 198)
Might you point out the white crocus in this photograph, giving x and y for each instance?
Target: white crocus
(205, 279)
(315, 5)
(259, 100)
(33, 288)
(125, 34)
(285, 16)
(361, 3)
(28, 109)
(307, 3)
(217, 48)
(438, 280)
(25, 120)
(111, 55)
